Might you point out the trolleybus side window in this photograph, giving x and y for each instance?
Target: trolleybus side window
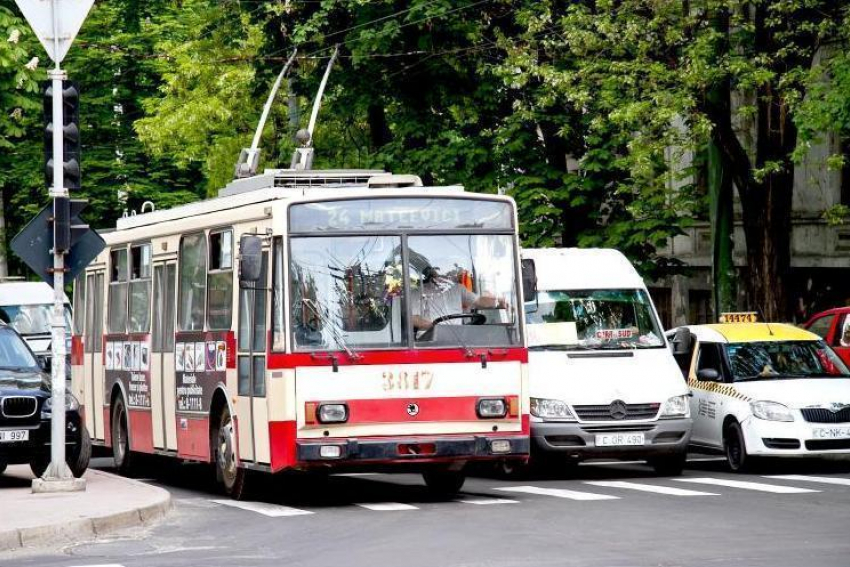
(347, 291)
(117, 304)
(158, 308)
(98, 313)
(168, 317)
(193, 282)
(89, 315)
(278, 313)
(79, 303)
(251, 369)
(220, 281)
(140, 288)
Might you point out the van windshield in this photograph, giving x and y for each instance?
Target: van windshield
(592, 319)
(32, 319)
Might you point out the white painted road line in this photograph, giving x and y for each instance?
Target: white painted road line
(759, 486)
(805, 478)
(105, 565)
(558, 493)
(486, 501)
(387, 506)
(648, 488)
(270, 510)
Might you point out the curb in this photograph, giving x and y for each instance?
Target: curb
(87, 528)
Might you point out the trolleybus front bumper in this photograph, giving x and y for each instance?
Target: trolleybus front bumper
(412, 449)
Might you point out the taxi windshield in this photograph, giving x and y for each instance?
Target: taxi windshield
(592, 319)
(783, 359)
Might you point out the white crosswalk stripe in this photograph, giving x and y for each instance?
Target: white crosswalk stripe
(669, 490)
(806, 478)
(485, 501)
(744, 485)
(387, 506)
(270, 510)
(558, 493)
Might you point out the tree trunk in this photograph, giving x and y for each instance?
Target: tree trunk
(4, 260)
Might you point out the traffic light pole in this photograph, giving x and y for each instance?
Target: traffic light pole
(58, 477)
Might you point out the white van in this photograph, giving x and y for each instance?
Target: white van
(602, 380)
(28, 308)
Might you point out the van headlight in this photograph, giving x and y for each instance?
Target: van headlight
(771, 411)
(677, 406)
(551, 409)
(71, 403)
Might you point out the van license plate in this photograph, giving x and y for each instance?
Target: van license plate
(14, 436)
(831, 433)
(619, 439)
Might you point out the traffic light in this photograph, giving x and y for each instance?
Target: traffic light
(68, 228)
(70, 134)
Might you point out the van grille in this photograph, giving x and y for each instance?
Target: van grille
(18, 406)
(610, 413)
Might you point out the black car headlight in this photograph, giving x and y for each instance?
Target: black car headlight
(71, 403)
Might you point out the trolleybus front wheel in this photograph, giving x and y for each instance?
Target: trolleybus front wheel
(230, 476)
(121, 438)
(444, 482)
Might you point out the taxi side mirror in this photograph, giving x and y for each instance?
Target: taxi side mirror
(708, 375)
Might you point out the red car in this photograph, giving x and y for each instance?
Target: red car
(833, 325)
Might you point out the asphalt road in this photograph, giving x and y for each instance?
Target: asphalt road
(598, 515)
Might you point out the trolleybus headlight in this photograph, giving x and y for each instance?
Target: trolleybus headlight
(332, 413)
(551, 409)
(771, 411)
(677, 406)
(492, 407)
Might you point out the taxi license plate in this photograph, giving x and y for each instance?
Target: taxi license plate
(619, 439)
(831, 433)
(14, 436)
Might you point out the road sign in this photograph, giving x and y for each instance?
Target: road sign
(35, 242)
(55, 22)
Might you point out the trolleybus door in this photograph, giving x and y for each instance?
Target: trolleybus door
(93, 355)
(163, 387)
(251, 368)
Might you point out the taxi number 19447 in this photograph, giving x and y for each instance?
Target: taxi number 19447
(404, 380)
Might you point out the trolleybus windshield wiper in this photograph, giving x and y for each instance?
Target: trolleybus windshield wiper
(335, 332)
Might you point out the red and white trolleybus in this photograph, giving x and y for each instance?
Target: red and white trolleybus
(309, 319)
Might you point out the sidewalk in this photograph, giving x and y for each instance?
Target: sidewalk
(109, 503)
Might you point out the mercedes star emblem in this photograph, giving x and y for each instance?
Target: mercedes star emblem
(618, 409)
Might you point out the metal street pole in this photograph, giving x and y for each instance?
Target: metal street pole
(58, 477)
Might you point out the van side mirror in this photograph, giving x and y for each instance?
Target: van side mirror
(529, 280)
(708, 375)
(250, 258)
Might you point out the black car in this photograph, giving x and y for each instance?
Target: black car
(25, 411)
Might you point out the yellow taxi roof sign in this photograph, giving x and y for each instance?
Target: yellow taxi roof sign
(739, 317)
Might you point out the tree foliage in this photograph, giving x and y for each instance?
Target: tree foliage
(592, 114)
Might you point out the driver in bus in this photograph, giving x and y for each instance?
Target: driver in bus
(439, 296)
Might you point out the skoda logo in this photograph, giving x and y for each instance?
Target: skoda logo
(412, 409)
(618, 409)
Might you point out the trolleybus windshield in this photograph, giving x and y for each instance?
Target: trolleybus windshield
(395, 273)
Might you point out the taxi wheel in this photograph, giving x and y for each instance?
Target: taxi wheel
(444, 483)
(121, 438)
(231, 477)
(736, 448)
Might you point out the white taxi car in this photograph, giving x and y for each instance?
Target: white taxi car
(762, 389)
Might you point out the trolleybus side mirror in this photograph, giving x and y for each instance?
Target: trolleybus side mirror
(529, 280)
(250, 258)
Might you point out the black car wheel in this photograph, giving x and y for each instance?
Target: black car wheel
(77, 457)
(3, 466)
(736, 448)
(121, 438)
